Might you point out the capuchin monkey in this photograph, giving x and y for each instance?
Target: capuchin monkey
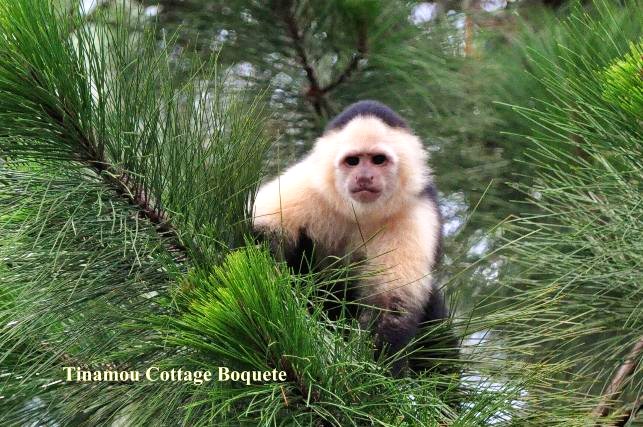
(364, 188)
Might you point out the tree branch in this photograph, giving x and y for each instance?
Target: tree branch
(617, 384)
(136, 194)
(629, 414)
(92, 155)
(295, 377)
(362, 49)
(314, 91)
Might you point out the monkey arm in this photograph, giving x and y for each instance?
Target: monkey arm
(280, 205)
(280, 217)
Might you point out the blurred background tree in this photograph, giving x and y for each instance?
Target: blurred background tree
(128, 157)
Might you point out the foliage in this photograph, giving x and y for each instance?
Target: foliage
(105, 102)
(584, 247)
(115, 183)
(623, 81)
(127, 173)
(250, 316)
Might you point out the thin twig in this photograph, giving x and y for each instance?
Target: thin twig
(617, 384)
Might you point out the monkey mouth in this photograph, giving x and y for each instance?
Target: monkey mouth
(365, 194)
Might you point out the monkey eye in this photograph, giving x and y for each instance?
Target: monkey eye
(379, 159)
(352, 160)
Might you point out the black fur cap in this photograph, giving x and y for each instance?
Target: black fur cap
(367, 108)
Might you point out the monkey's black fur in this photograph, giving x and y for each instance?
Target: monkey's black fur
(299, 257)
(367, 108)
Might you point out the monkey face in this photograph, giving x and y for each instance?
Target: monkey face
(367, 168)
(367, 176)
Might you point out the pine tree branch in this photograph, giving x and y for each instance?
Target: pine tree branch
(617, 384)
(315, 91)
(150, 209)
(65, 358)
(362, 50)
(304, 388)
(93, 156)
(629, 414)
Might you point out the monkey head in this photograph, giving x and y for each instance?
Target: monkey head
(370, 167)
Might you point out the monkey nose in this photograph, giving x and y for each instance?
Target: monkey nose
(364, 180)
